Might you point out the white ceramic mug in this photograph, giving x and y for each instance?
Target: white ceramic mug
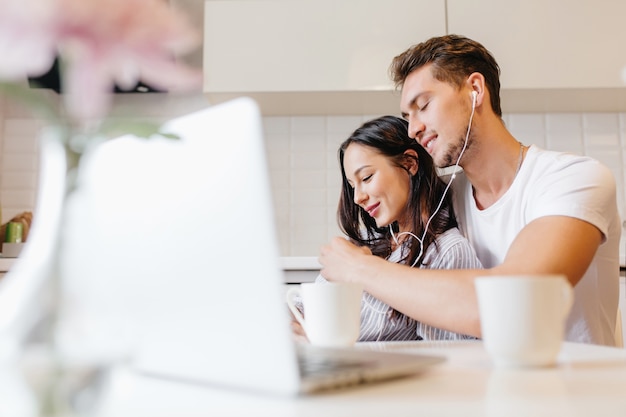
(523, 317)
(332, 312)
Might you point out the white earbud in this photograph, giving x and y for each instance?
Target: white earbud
(474, 95)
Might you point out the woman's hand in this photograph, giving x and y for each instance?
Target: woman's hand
(342, 260)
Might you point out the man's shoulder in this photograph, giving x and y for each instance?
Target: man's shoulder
(560, 159)
(546, 163)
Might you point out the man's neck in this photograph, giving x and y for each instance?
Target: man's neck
(492, 169)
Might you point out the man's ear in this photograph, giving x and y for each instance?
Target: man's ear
(412, 161)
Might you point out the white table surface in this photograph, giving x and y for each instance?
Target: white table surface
(588, 381)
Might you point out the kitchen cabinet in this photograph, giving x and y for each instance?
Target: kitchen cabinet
(568, 53)
(332, 57)
(312, 56)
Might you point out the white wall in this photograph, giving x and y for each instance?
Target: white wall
(302, 152)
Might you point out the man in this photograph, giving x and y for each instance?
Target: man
(525, 210)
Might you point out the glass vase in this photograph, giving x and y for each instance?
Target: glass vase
(47, 369)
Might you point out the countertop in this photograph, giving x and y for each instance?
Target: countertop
(6, 263)
(588, 380)
(309, 263)
(297, 263)
(306, 263)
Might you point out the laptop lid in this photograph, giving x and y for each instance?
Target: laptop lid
(174, 262)
(175, 255)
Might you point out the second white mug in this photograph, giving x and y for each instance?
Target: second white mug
(523, 317)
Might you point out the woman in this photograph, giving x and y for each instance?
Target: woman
(393, 202)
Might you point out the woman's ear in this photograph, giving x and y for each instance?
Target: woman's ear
(412, 161)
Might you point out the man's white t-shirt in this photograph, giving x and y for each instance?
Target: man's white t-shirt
(553, 183)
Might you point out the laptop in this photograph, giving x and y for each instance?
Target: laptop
(175, 262)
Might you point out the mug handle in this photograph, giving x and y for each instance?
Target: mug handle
(291, 293)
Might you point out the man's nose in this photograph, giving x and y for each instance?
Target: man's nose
(416, 128)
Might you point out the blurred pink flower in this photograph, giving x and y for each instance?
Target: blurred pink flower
(27, 38)
(100, 43)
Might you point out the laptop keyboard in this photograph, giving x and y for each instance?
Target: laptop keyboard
(318, 364)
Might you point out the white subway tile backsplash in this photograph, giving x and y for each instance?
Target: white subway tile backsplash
(306, 180)
(598, 140)
(307, 231)
(304, 248)
(276, 124)
(563, 122)
(342, 125)
(23, 143)
(309, 124)
(608, 157)
(333, 177)
(622, 129)
(601, 122)
(282, 201)
(304, 170)
(564, 132)
(277, 140)
(18, 198)
(20, 127)
(529, 129)
(278, 151)
(332, 161)
(308, 160)
(331, 209)
(308, 142)
(18, 180)
(565, 142)
(280, 178)
(19, 162)
(333, 225)
(601, 131)
(306, 227)
(526, 123)
(311, 197)
(333, 191)
(335, 139)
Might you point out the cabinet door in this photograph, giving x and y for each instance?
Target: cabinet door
(311, 45)
(548, 44)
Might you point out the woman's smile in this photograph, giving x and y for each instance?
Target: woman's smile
(372, 209)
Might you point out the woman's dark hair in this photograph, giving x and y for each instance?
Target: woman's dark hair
(453, 59)
(388, 135)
